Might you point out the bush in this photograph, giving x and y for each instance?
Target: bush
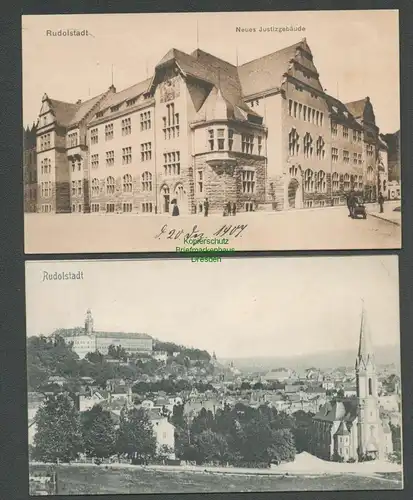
(395, 457)
(351, 461)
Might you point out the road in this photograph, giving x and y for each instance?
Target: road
(312, 229)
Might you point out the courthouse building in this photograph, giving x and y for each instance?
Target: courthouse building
(30, 169)
(87, 340)
(263, 135)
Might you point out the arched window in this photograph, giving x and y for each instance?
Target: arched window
(335, 180)
(293, 143)
(321, 184)
(346, 182)
(95, 187)
(308, 181)
(110, 185)
(320, 151)
(146, 181)
(370, 387)
(127, 183)
(180, 193)
(308, 145)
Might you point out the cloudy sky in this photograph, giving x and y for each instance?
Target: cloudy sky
(237, 308)
(355, 52)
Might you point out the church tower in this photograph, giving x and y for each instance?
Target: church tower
(369, 424)
(89, 323)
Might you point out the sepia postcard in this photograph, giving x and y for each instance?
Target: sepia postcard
(158, 376)
(213, 131)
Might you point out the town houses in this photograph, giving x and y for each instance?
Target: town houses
(264, 135)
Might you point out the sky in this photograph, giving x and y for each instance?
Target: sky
(355, 52)
(243, 307)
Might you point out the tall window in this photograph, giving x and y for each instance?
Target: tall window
(73, 188)
(146, 151)
(346, 156)
(109, 131)
(333, 129)
(320, 151)
(369, 150)
(110, 158)
(259, 139)
(126, 126)
(127, 183)
(79, 187)
(355, 158)
(126, 155)
(95, 187)
(334, 155)
(321, 185)
(308, 181)
(110, 185)
(171, 122)
(247, 143)
(45, 142)
(335, 181)
(180, 193)
(72, 140)
(346, 182)
(360, 183)
(200, 181)
(145, 118)
(248, 181)
(230, 139)
(308, 145)
(147, 182)
(95, 161)
(359, 159)
(370, 387)
(345, 132)
(94, 136)
(293, 142)
(211, 139)
(221, 138)
(127, 207)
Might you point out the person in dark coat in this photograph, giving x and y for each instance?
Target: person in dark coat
(175, 210)
(381, 202)
(206, 207)
(350, 202)
(234, 208)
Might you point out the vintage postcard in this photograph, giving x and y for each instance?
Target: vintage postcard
(273, 130)
(161, 376)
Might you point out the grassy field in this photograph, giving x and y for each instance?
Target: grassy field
(83, 480)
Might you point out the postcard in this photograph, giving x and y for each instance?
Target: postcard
(258, 374)
(274, 130)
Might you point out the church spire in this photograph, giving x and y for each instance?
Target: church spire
(89, 323)
(365, 350)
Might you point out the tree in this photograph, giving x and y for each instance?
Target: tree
(135, 436)
(258, 386)
(282, 447)
(58, 436)
(212, 447)
(99, 434)
(94, 357)
(245, 386)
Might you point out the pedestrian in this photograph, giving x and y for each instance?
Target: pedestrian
(229, 208)
(234, 208)
(381, 201)
(206, 207)
(175, 210)
(350, 199)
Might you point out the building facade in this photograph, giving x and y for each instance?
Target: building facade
(351, 428)
(30, 169)
(88, 340)
(263, 136)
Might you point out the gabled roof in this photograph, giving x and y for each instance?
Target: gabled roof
(64, 111)
(356, 108)
(126, 94)
(344, 410)
(84, 108)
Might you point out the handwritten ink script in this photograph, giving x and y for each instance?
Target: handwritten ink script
(196, 235)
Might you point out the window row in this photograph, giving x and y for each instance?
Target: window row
(46, 166)
(220, 139)
(315, 182)
(171, 163)
(306, 113)
(127, 184)
(309, 148)
(46, 208)
(45, 142)
(46, 189)
(77, 187)
(248, 181)
(127, 207)
(357, 157)
(349, 182)
(72, 139)
(126, 127)
(356, 134)
(76, 165)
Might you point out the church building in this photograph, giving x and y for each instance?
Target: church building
(351, 428)
(264, 135)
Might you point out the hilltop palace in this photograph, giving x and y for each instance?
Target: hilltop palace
(263, 135)
(351, 428)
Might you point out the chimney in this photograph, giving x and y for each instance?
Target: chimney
(79, 101)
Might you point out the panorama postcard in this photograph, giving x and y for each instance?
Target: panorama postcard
(216, 131)
(255, 374)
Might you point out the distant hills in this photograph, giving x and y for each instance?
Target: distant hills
(385, 355)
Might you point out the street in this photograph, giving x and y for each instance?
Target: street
(312, 229)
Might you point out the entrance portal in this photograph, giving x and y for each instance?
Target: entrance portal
(165, 197)
(294, 193)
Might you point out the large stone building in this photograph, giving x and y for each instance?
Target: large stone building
(88, 340)
(263, 135)
(30, 169)
(351, 428)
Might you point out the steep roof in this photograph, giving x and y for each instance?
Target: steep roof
(266, 72)
(356, 108)
(124, 95)
(345, 409)
(63, 111)
(342, 429)
(84, 108)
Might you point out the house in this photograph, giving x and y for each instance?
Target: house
(164, 432)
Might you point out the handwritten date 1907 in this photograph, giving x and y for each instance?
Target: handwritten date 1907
(195, 234)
